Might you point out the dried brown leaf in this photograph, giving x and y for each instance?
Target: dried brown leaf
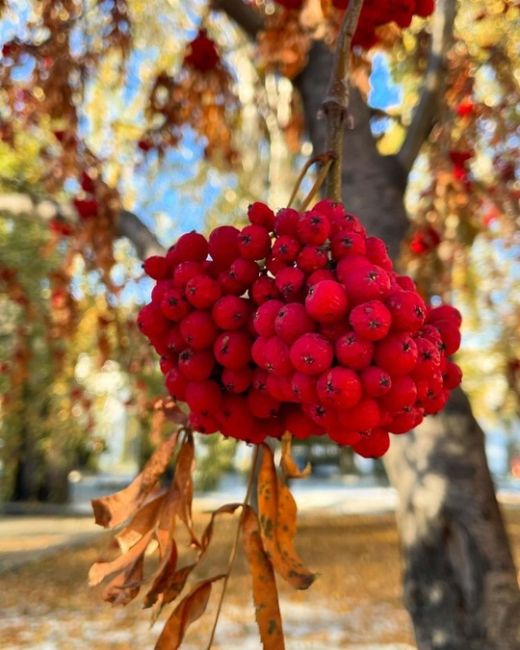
(112, 510)
(126, 585)
(277, 510)
(289, 466)
(265, 594)
(187, 611)
(100, 570)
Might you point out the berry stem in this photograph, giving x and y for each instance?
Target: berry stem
(234, 549)
(335, 104)
(320, 159)
(324, 171)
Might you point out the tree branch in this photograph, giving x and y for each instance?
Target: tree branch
(129, 225)
(250, 20)
(335, 104)
(433, 86)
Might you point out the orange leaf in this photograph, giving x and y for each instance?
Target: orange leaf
(289, 466)
(142, 522)
(265, 594)
(187, 611)
(178, 499)
(277, 510)
(112, 510)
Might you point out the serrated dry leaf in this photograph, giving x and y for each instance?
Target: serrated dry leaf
(265, 594)
(277, 515)
(289, 466)
(187, 611)
(112, 510)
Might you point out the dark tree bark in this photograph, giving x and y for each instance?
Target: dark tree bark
(460, 581)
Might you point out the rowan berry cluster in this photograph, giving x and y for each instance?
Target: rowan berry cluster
(298, 322)
(376, 13)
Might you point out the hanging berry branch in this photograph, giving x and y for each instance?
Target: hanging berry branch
(295, 325)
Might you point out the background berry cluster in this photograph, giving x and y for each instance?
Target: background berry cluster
(298, 322)
(376, 13)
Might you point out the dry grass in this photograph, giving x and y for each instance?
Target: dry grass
(357, 597)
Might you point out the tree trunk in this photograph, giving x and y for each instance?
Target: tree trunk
(460, 581)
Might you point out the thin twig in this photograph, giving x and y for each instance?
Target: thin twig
(320, 159)
(335, 105)
(322, 176)
(234, 548)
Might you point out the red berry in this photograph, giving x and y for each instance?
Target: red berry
(198, 329)
(334, 331)
(292, 321)
(289, 282)
(397, 354)
(408, 310)
(203, 423)
(313, 228)
(311, 354)
(254, 242)
(339, 387)
(377, 253)
(428, 360)
(403, 393)
(174, 305)
(312, 258)
(258, 351)
(260, 379)
(300, 425)
(245, 272)
(276, 355)
(375, 381)
(374, 445)
(286, 222)
(364, 416)
(204, 397)
(343, 436)
(274, 264)
(176, 384)
(264, 289)
(166, 364)
(192, 246)
(196, 365)
(325, 416)
(286, 248)
(371, 320)
(319, 275)
(230, 312)
(237, 380)
(260, 214)
(184, 272)
(303, 388)
(156, 267)
(233, 349)
(347, 243)
(365, 283)
(403, 421)
(152, 322)
(445, 312)
(262, 405)
(175, 341)
(265, 316)
(223, 244)
(280, 388)
(353, 351)
(450, 335)
(452, 376)
(406, 283)
(202, 291)
(436, 403)
(327, 301)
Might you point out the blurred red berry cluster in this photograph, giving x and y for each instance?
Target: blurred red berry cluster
(376, 13)
(298, 322)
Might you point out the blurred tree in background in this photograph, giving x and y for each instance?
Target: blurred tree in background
(104, 116)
